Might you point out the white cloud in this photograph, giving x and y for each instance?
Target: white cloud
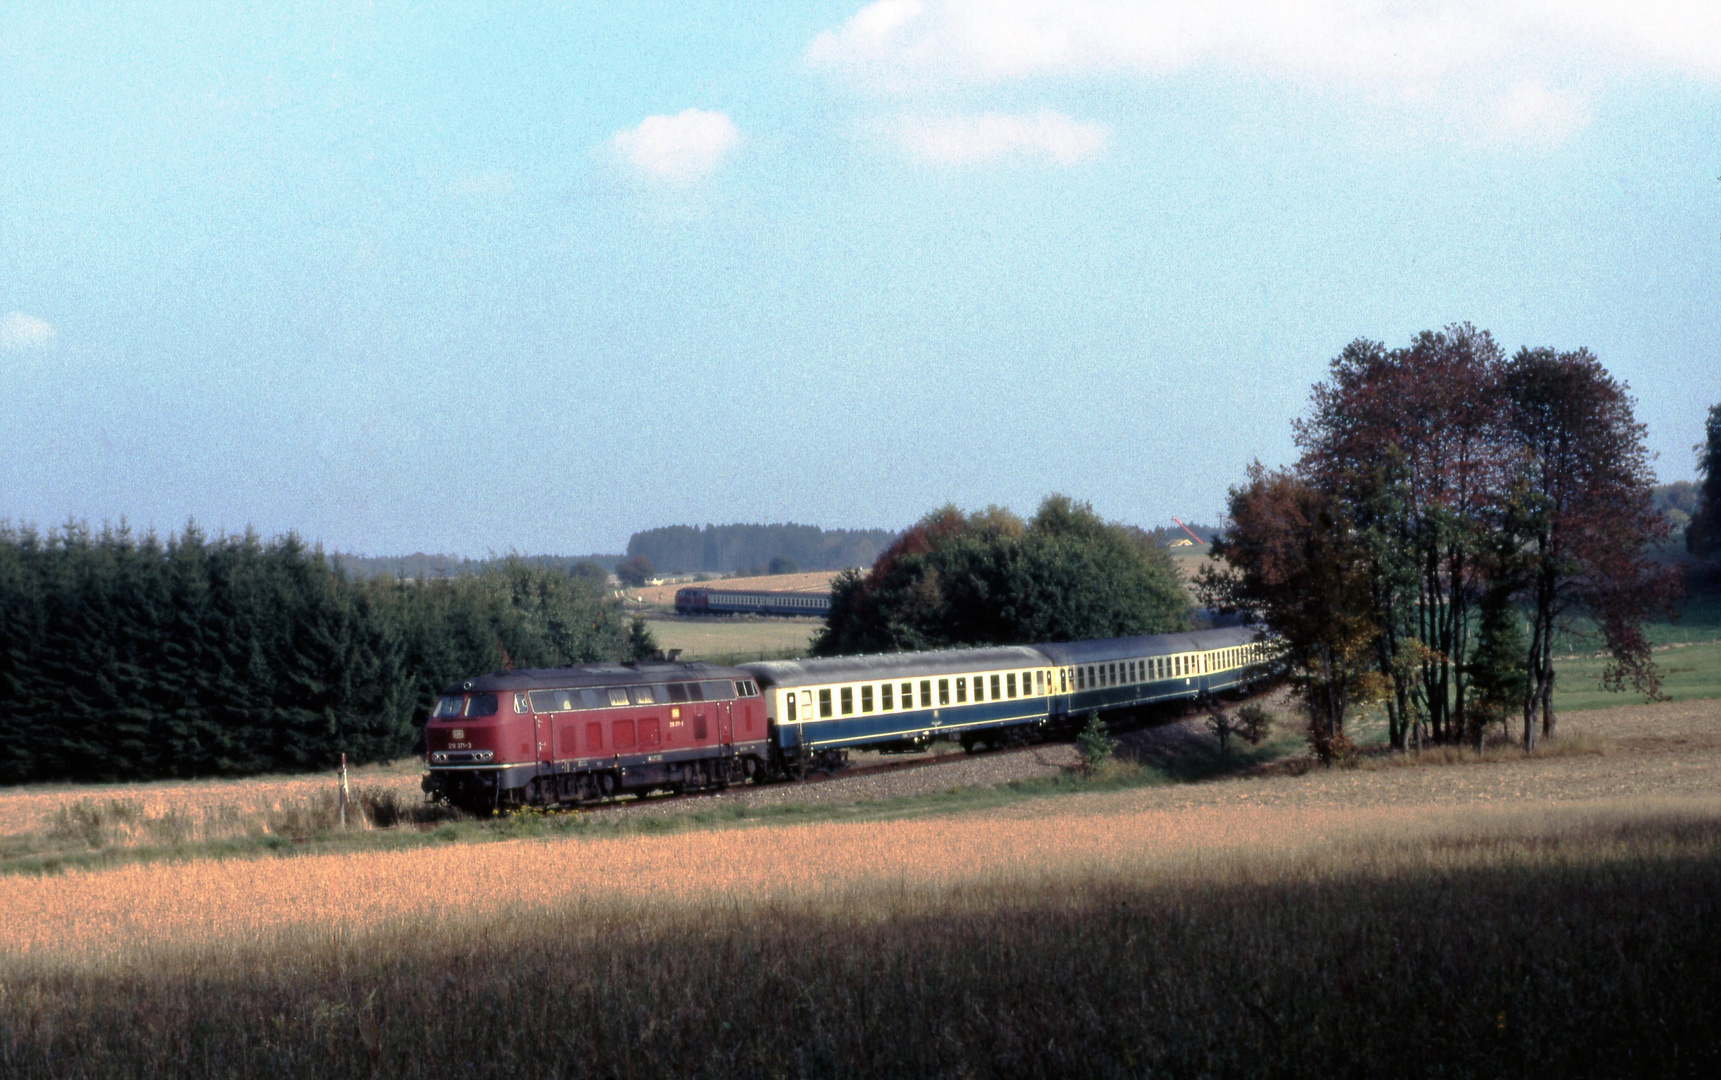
(1369, 41)
(964, 140)
(1531, 113)
(687, 146)
(19, 331)
(1484, 58)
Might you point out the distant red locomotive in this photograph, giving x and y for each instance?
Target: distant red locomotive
(554, 736)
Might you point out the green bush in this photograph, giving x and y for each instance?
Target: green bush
(1094, 744)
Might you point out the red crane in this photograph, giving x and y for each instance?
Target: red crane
(1192, 536)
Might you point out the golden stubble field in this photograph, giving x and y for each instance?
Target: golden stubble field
(1661, 761)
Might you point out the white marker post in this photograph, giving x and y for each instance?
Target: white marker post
(343, 792)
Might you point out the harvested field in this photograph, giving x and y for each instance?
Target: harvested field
(664, 595)
(1541, 916)
(1665, 759)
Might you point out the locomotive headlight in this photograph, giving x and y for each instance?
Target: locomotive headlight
(439, 756)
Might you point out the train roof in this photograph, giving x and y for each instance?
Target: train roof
(1072, 653)
(891, 665)
(592, 675)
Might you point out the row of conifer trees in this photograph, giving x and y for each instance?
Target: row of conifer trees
(132, 657)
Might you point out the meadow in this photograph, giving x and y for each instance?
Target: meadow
(733, 639)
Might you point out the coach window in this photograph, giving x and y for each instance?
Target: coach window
(926, 693)
(1010, 684)
(1039, 682)
(962, 691)
(885, 704)
(908, 695)
(848, 700)
(1081, 683)
(866, 698)
(824, 704)
(789, 710)
(944, 691)
(979, 688)
(997, 688)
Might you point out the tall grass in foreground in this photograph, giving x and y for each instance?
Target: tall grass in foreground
(1566, 944)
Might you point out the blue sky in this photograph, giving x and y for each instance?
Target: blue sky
(532, 278)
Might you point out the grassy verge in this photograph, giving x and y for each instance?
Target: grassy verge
(1688, 673)
(1563, 945)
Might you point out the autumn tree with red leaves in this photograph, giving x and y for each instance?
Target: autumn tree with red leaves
(1461, 492)
(1293, 563)
(1586, 518)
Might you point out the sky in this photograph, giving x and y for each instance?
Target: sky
(486, 278)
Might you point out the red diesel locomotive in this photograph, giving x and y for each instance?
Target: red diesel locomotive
(562, 736)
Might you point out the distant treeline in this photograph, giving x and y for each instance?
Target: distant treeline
(418, 565)
(126, 657)
(723, 548)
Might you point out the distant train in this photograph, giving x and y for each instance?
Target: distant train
(567, 736)
(704, 600)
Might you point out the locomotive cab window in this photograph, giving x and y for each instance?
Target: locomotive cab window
(447, 707)
(482, 705)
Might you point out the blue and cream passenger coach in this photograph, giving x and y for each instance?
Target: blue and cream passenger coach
(817, 707)
(1124, 673)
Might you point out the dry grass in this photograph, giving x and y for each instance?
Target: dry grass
(197, 809)
(1522, 916)
(1098, 940)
